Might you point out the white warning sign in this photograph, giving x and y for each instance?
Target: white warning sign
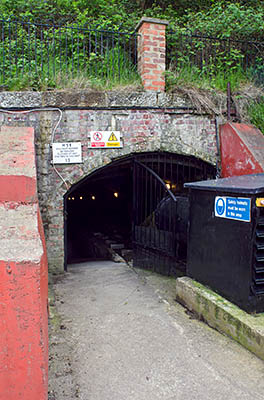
(67, 153)
(105, 139)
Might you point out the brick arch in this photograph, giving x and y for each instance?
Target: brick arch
(99, 167)
(143, 130)
(61, 193)
(167, 144)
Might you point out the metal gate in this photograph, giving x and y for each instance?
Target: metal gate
(161, 209)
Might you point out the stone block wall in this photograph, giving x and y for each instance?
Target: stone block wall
(148, 122)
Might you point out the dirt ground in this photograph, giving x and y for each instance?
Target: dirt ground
(117, 333)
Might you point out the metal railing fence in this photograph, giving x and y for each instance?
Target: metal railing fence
(46, 50)
(212, 55)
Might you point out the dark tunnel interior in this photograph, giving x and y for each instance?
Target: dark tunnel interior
(100, 208)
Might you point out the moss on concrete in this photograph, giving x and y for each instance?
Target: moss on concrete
(221, 314)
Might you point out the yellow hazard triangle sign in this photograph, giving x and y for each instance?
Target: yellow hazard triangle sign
(112, 138)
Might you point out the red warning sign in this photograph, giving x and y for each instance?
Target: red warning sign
(96, 139)
(97, 136)
(105, 139)
(98, 144)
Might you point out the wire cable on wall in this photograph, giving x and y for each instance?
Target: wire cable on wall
(53, 130)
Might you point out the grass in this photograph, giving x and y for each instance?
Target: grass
(256, 114)
(62, 80)
(206, 90)
(191, 76)
(28, 82)
(102, 72)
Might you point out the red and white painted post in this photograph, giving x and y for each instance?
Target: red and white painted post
(23, 272)
(152, 53)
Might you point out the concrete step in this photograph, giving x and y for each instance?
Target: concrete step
(117, 246)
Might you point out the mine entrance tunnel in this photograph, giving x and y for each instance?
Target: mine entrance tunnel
(136, 203)
(99, 210)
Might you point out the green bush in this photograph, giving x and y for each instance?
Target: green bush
(229, 19)
(238, 18)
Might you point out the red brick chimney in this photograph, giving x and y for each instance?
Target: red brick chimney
(151, 53)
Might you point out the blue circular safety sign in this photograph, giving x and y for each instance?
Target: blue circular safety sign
(220, 206)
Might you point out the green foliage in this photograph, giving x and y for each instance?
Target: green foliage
(256, 113)
(210, 63)
(45, 67)
(115, 67)
(192, 76)
(105, 13)
(239, 18)
(37, 66)
(229, 19)
(33, 57)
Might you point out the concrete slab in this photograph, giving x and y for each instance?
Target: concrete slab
(221, 314)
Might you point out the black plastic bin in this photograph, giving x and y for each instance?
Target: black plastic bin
(226, 238)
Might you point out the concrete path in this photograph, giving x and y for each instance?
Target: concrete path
(128, 340)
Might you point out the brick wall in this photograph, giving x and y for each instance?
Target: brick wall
(151, 53)
(147, 122)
